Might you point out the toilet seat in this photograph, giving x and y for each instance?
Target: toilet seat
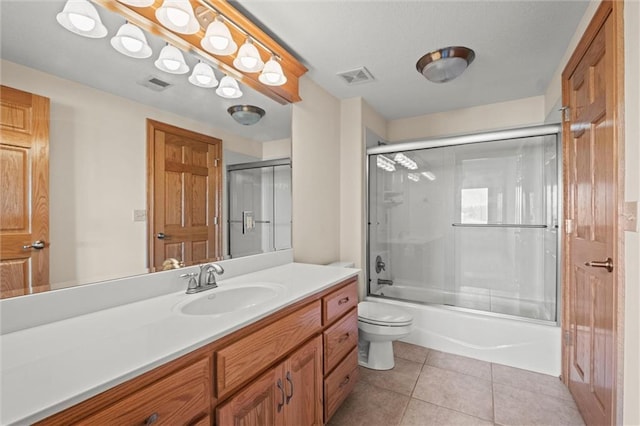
(383, 315)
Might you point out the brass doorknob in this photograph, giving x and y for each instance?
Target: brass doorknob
(607, 264)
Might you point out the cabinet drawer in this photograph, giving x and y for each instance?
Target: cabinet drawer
(335, 304)
(242, 360)
(339, 339)
(178, 399)
(339, 384)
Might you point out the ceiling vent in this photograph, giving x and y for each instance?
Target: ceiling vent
(154, 83)
(357, 76)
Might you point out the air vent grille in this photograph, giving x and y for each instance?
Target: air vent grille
(154, 83)
(357, 76)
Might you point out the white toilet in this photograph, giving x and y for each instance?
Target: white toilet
(379, 324)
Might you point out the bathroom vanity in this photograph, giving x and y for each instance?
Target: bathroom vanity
(290, 360)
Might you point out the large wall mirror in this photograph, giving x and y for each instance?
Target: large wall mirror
(100, 101)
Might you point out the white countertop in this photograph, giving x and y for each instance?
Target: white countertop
(48, 368)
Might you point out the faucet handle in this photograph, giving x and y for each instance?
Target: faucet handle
(193, 283)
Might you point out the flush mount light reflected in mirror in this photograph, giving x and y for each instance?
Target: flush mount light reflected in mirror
(177, 15)
(171, 61)
(228, 88)
(81, 17)
(203, 76)
(130, 41)
(445, 64)
(246, 115)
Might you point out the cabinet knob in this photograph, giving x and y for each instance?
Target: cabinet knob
(280, 404)
(345, 381)
(343, 301)
(152, 419)
(343, 338)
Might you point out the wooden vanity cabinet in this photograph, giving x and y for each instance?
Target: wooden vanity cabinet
(294, 367)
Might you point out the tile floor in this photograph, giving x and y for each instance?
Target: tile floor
(428, 387)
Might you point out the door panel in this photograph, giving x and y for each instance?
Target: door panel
(591, 204)
(185, 196)
(24, 204)
(303, 385)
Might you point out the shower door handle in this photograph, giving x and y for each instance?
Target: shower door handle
(607, 264)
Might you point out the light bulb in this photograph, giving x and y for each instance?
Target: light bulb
(82, 22)
(249, 61)
(203, 79)
(171, 64)
(219, 42)
(178, 17)
(131, 44)
(272, 77)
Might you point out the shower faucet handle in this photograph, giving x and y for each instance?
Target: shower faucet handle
(380, 265)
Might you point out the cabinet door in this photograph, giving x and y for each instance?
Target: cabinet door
(260, 403)
(303, 385)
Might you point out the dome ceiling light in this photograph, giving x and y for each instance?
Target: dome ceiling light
(445, 64)
(246, 115)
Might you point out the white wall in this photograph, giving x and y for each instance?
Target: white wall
(280, 148)
(502, 115)
(631, 413)
(315, 155)
(98, 175)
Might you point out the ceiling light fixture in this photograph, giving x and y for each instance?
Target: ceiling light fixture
(429, 175)
(272, 74)
(171, 60)
(385, 163)
(137, 3)
(445, 64)
(81, 17)
(177, 15)
(203, 76)
(414, 177)
(248, 59)
(246, 115)
(130, 41)
(405, 161)
(228, 88)
(217, 39)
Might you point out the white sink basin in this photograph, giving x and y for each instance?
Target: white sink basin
(230, 299)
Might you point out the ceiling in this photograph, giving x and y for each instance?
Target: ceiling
(518, 46)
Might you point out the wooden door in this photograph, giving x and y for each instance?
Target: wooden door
(303, 385)
(24, 202)
(591, 203)
(259, 404)
(185, 196)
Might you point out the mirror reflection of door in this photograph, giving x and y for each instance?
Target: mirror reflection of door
(184, 197)
(24, 201)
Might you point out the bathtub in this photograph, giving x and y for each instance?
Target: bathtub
(517, 343)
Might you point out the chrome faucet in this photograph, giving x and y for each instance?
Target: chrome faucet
(384, 282)
(206, 278)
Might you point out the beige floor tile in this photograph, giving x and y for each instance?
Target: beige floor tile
(371, 406)
(515, 406)
(454, 390)
(461, 364)
(410, 352)
(530, 381)
(420, 413)
(402, 378)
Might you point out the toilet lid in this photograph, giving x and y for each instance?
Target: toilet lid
(382, 314)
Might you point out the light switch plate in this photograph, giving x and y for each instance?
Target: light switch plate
(139, 215)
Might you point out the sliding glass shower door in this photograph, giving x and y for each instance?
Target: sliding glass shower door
(259, 207)
(472, 226)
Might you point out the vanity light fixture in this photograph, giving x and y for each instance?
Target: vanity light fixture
(429, 175)
(385, 163)
(130, 41)
(272, 74)
(171, 60)
(177, 15)
(246, 115)
(248, 59)
(414, 177)
(203, 76)
(405, 161)
(228, 88)
(138, 3)
(445, 64)
(217, 39)
(81, 17)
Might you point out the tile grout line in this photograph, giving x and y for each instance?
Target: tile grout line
(493, 394)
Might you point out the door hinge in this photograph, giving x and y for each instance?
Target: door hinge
(215, 220)
(568, 226)
(568, 338)
(566, 113)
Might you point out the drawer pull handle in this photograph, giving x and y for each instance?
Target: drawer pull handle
(345, 381)
(280, 404)
(291, 384)
(343, 338)
(151, 419)
(343, 301)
